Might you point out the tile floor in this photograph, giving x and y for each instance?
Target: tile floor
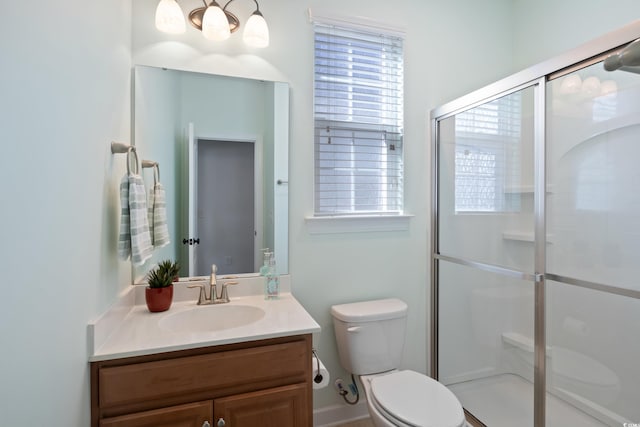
(366, 422)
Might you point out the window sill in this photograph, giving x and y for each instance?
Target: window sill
(356, 224)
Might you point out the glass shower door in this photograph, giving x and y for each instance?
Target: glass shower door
(485, 257)
(593, 214)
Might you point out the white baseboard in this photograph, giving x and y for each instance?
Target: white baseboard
(339, 414)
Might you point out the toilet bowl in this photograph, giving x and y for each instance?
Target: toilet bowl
(410, 399)
(370, 338)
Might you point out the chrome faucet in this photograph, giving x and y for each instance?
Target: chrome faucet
(213, 298)
(213, 283)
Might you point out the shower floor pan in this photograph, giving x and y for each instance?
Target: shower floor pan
(506, 400)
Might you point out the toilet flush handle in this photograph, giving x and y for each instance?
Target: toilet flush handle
(353, 329)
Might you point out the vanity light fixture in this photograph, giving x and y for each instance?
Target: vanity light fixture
(215, 22)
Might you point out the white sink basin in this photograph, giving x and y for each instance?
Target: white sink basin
(211, 318)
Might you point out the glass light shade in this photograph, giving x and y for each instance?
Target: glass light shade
(256, 32)
(215, 25)
(591, 86)
(608, 87)
(169, 17)
(571, 84)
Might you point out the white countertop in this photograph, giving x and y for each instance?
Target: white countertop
(138, 332)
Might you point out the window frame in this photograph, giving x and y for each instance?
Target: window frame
(372, 129)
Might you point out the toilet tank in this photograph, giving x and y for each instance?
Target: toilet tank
(370, 335)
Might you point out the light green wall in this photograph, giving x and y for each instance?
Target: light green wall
(546, 28)
(65, 91)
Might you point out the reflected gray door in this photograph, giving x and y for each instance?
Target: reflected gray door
(225, 207)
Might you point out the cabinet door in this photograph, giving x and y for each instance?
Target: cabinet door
(277, 407)
(189, 415)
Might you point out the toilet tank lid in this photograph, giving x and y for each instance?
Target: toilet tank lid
(369, 311)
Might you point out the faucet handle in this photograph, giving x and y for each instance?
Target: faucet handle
(202, 297)
(225, 293)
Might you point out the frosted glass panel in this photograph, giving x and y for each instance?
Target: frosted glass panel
(486, 343)
(486, 182)
(593, 166)
(592, 363)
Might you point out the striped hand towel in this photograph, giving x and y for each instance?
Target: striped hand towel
(134, 240)
(124, 238)
(158, 216)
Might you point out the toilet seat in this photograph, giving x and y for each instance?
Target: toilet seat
(408, 398)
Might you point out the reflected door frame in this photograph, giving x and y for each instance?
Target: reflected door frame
(192, 204)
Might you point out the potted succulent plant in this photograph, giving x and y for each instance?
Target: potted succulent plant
(171, 267)
(159, 293)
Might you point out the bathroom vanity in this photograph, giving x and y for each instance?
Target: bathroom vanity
(266, 382)
(146, 374)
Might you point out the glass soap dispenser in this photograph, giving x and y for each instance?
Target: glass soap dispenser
(266, 256)
(272, 280)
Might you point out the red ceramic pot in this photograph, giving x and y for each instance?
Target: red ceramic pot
(158, 299)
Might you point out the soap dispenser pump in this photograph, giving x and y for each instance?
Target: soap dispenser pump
(266, 256)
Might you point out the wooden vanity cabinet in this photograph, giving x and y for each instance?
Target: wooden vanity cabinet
(257, 383)
(190, 415)
(283, 406)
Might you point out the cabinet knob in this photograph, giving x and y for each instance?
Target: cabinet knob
(221, 422)
(206, 424)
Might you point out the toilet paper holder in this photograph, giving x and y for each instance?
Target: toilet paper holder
(318, 378)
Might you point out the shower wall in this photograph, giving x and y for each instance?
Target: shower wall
(593, 125)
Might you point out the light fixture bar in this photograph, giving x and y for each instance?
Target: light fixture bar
(215, 22)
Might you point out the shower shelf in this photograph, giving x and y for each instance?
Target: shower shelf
(521, 341)
(524, 189)
(523, 236)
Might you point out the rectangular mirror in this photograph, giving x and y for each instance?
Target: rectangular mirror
(221, 144)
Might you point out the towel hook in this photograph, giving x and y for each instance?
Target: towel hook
(156, 169)
(119, 147)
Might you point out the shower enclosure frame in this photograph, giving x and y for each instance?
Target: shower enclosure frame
(536, 76)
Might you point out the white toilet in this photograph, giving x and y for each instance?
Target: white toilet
(370, 338)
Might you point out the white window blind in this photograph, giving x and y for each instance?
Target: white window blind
(487, 156)
(358, 100)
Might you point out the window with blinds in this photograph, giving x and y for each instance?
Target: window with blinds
(487, 156)
(358, 100)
